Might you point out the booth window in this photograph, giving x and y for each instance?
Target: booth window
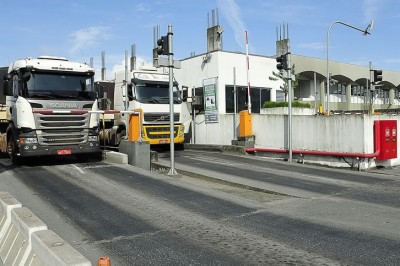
(258, 97)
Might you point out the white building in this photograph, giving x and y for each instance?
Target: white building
(214, 75)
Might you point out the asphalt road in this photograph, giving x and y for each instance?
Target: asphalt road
(138, 217)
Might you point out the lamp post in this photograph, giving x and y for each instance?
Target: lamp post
(365, 32)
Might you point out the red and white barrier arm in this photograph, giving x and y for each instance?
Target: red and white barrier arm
(79, 112)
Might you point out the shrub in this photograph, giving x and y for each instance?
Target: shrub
(286, 104)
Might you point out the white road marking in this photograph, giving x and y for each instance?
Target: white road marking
(79, 169)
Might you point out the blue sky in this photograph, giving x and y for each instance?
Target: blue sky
(80, 30)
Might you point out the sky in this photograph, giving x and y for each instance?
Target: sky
(80, 30)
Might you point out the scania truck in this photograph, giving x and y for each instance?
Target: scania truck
(50, 109)
(148, 94)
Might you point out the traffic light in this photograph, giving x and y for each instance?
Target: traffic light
(163, 46)
(377, 75)
(282, 63)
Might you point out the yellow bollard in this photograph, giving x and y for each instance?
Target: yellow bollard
(245, 124)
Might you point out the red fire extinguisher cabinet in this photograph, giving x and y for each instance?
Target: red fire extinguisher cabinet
(387, 137)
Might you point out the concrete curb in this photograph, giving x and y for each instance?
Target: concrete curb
(24, 238)
(220, 148)
(163, 168)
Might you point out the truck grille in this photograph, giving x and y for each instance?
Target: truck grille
(159, 117)
(159, 132)
(62, 129)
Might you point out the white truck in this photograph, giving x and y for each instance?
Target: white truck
(148, 93)
(48, 109)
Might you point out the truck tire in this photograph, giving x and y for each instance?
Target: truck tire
(12, 152)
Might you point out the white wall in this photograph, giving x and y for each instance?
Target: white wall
(335, 133)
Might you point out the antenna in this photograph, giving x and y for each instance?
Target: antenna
(133, 57)
(103, 65)
(287, 31)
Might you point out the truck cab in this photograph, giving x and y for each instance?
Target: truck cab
(49, 102)
(147, 92)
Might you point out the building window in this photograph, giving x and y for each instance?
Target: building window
(258, 97)
(383, 94)
(280, 96)
(397, 95)
(199, 94)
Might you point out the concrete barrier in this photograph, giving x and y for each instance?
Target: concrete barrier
(116, 157)
(138, 153)
(26, 240)
(50, 249)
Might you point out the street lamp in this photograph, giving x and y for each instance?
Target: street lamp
(365, 32)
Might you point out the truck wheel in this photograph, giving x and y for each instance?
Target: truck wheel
(12, 152)
(120, 135)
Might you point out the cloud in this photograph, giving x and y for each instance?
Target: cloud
(312, 46)
(88, 37)
(232, 14)
(142, 7)
(117, 65)
(371, 9)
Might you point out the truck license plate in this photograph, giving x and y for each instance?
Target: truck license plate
(163, 141)
(64, 152)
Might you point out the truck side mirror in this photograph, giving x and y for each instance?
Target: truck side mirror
(186, 94)
(7, 89)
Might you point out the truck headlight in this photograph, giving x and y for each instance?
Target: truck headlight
(28, 141)
(93, 138)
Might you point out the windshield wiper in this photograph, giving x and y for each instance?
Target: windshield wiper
(59, 96)
(47, 96)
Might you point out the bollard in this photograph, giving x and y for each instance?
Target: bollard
(104, 261)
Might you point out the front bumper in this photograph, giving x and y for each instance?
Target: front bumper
(31, 150)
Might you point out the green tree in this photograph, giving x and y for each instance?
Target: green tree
(280, 75)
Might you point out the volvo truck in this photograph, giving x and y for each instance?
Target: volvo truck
(50, 108)
(146, 92)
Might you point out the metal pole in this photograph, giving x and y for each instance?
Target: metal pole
(327, 68)
(126, 101)
(193, 124)
(234, 103)
(289, 77)
(365, 32)
(172, 170)
(248, 74)
(372, 91)
(315, 92)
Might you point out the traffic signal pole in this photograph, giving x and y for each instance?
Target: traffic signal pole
(289, 78)
(284, 64)
(165, 48)
(172, 170)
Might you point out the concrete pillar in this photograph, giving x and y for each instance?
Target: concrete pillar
(391, 96)
(322, 94)
(348, 96)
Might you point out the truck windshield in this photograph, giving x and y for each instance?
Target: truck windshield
(156, 93)
(58, 86)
